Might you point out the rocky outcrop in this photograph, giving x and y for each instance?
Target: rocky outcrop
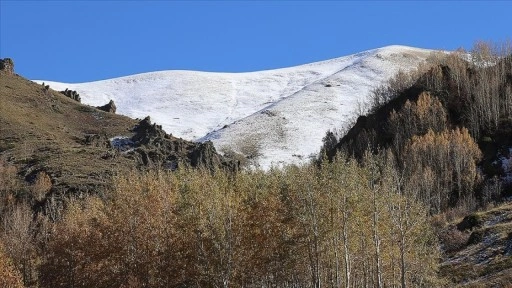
(204, 154)
(155, 148)
(109, 107)
(71, 94)
(147, 133)
(7, 65)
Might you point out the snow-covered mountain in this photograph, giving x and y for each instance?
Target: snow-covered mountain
(277, 116)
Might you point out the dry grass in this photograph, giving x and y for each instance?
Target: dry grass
(42, 130)
(485, 260)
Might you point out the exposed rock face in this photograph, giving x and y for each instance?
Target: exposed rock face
(155, 148)
(7, 65)
(109, 107)
(147, 133)
(204, 154)
(71, 94)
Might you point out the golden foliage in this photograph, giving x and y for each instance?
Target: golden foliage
(42, 185)
(293, 227)
(16, 233)
(9, 276)
(443, 163)
(417, 118)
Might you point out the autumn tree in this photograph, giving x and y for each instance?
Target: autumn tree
(76, 254)
(9, 276)
(417, 118)
(41, 186)
(309, 226)
(17, 234)
(442, 168)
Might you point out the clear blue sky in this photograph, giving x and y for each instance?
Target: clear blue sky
(78, 41)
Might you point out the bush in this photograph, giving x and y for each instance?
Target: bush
(9, 276)
(475, 237)
(469, 222)
(453, 239)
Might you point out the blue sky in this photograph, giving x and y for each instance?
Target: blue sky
(79, 41)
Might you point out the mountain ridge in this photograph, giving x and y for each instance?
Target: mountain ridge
(202, 106)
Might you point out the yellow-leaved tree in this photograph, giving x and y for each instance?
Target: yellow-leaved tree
(9, 276)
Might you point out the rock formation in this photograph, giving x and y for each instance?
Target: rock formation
(7, 65)
(109, 107)
(71, 94)
(155, 148)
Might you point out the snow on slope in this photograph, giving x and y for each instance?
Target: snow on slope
(280, 116)
(291, 130)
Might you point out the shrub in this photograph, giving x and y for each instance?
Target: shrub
(9, 276)
(453, 239)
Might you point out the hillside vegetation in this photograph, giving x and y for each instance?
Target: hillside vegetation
(413, 195)
(80, 147)
(447, 127)
(446, 124)
(478, 248)
(341, 225)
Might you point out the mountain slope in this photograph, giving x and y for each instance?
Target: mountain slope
(275, 116)
(482, 255)
(80, 147)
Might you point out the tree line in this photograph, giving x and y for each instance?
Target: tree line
(445, 124)
(344, 224)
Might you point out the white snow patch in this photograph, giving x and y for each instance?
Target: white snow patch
(122, 143)
(506, 166)
(284, 112)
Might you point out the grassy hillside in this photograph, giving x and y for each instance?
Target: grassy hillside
(45, 131)
(478, 249)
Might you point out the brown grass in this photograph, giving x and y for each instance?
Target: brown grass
(42, 131)
(481, 261)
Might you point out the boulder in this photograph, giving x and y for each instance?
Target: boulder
(110, 107)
